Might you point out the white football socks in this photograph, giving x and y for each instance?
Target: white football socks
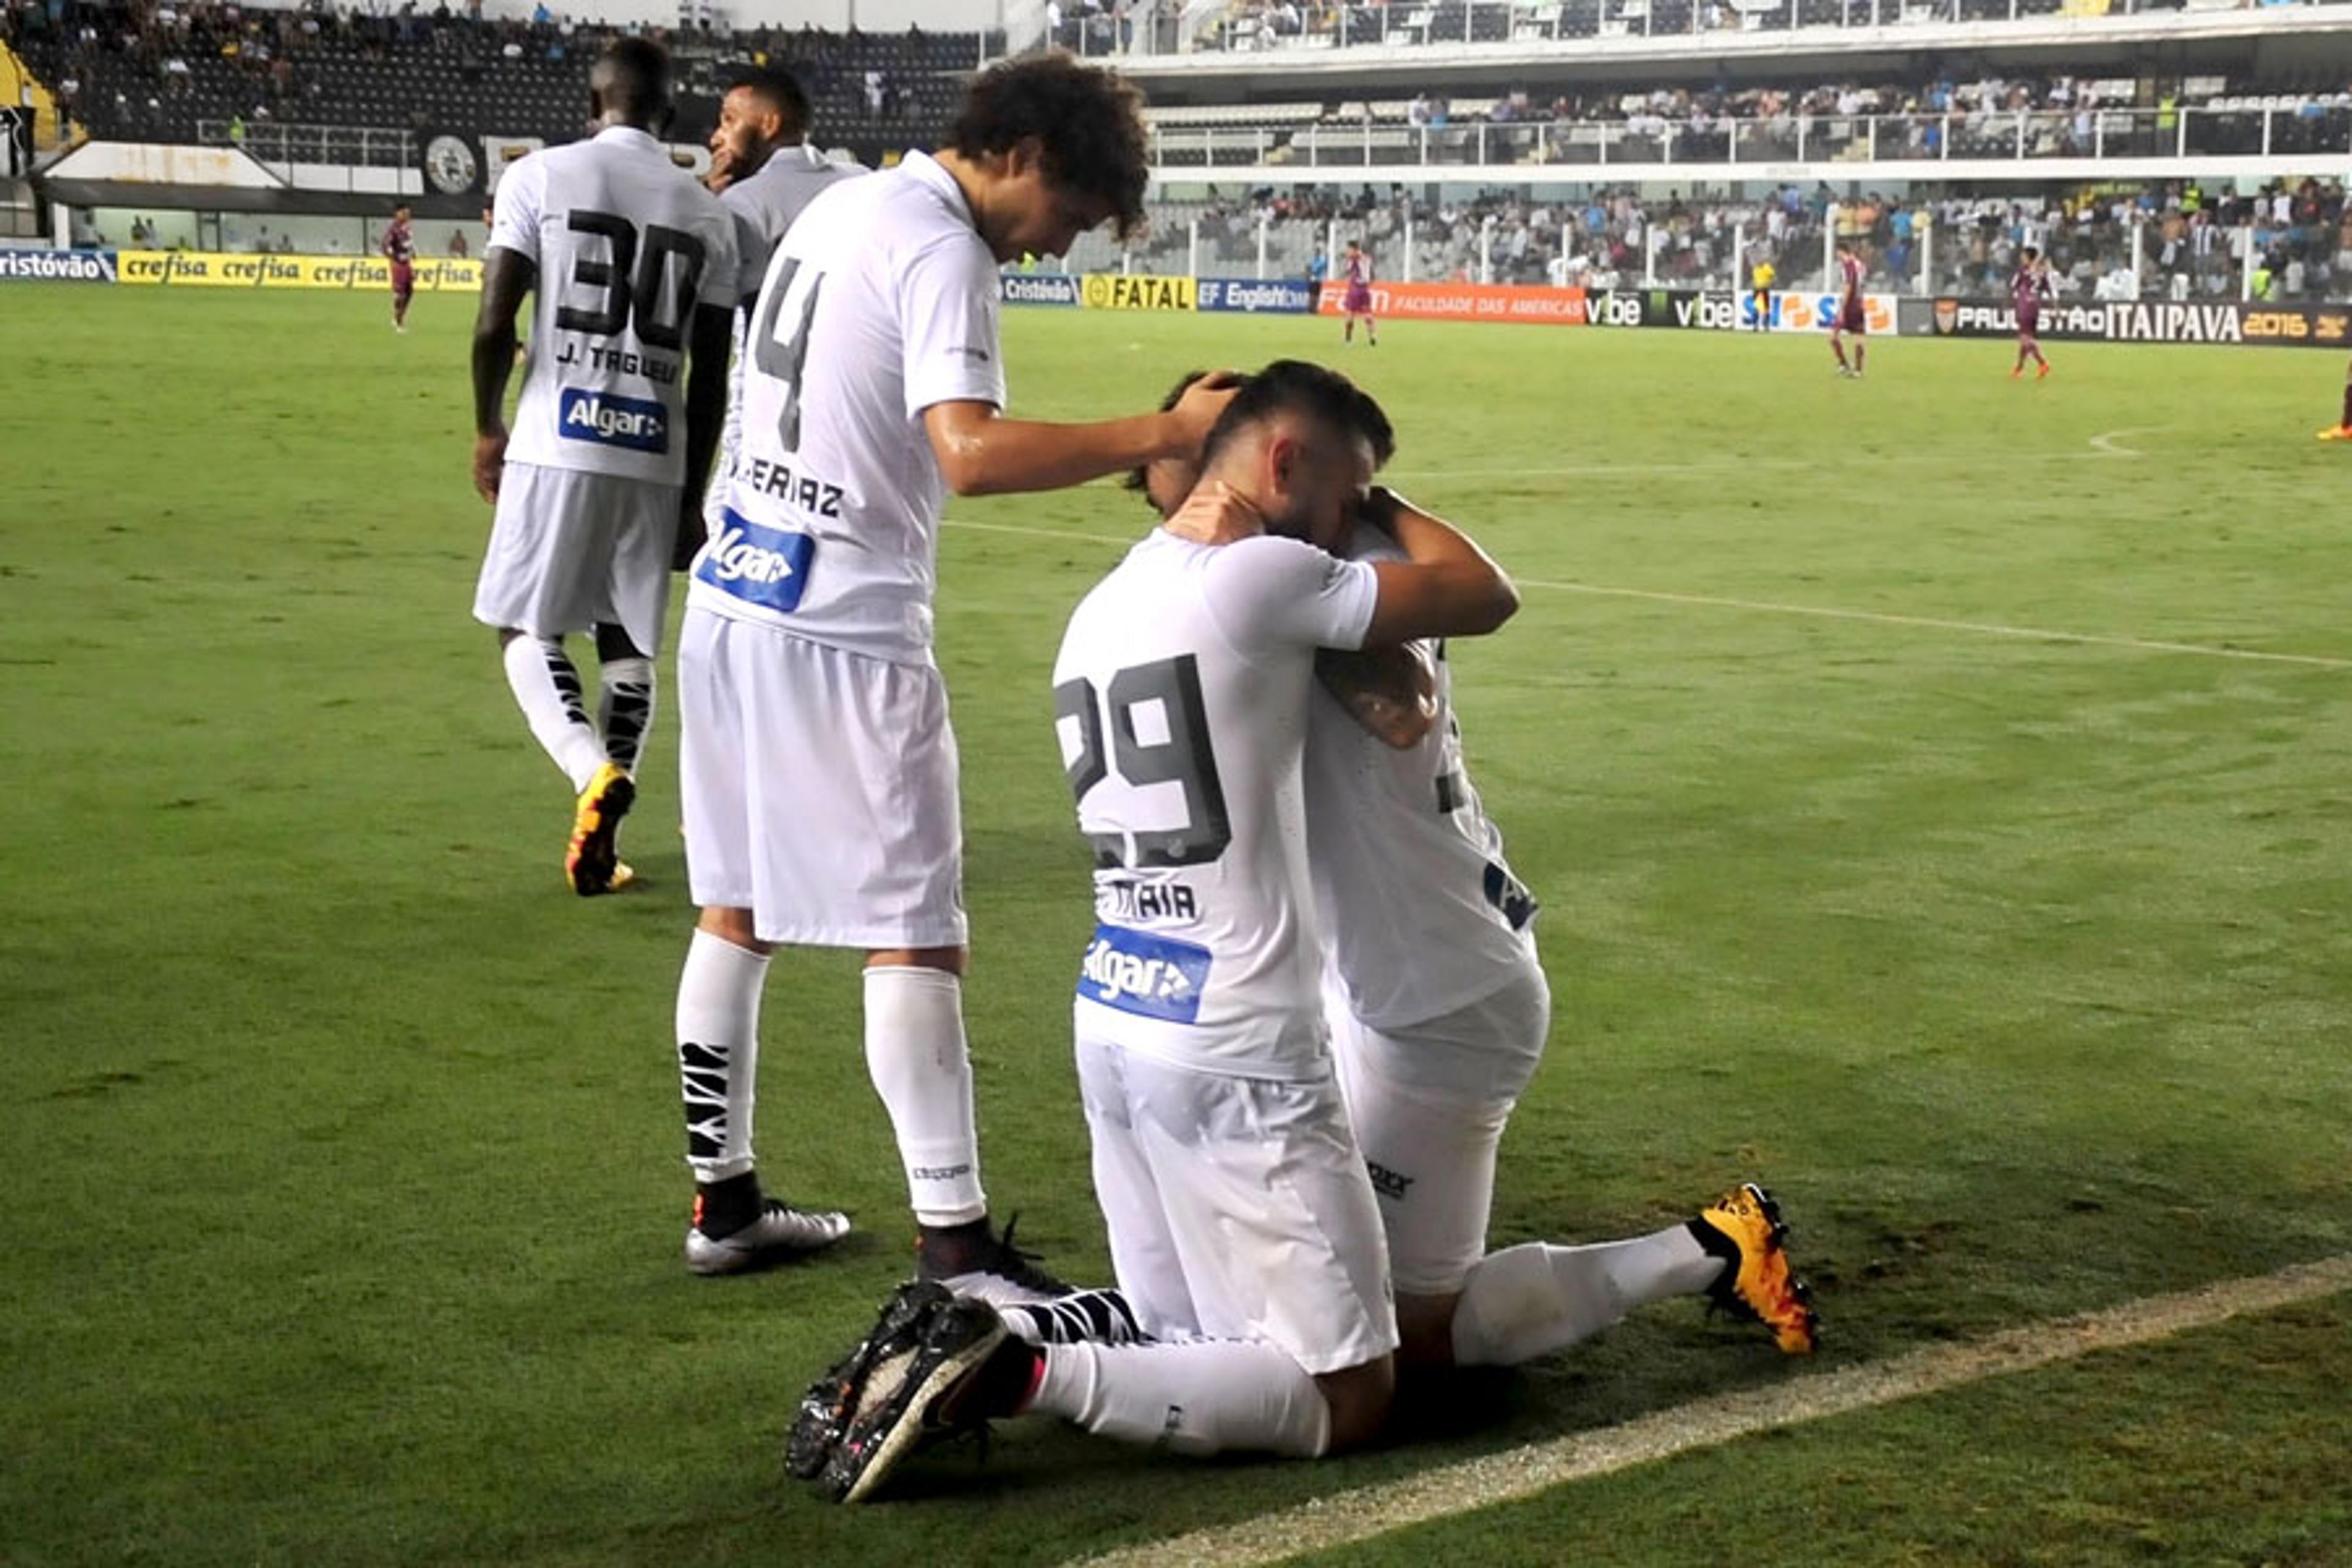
(1208, 1396)
(719, 1053)
(914, 1053)
(546, 685)
(624, 709)
(1526, 1301)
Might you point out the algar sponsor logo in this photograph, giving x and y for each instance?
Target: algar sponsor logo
(756, 563)
(1118, 975)
(734, 558)
(609, 421)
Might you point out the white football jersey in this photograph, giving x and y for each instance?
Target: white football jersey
(626, 245)
(763, 207)
(1181, 699)
(1418, 907)
(881, 302)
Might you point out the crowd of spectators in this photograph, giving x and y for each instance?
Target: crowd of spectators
(1251, 25)
(153, 67)
(2187, 242)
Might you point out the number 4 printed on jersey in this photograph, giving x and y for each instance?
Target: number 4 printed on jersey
(791, 302)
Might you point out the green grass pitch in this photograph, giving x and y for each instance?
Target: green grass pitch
(342, 1187)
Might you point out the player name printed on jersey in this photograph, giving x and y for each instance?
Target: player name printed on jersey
(759, 565)
(1152, 976)
(610, 420)
(627, 247)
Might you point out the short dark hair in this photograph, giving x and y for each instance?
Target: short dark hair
(1139, 479)
(1295, 386)
(2030, 252)
(777, 88)
(632, 77)
(1088, 121)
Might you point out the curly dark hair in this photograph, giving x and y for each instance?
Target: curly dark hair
(1090, 123)
(1139, 479)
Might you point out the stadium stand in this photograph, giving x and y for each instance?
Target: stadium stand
(1262, 26)
(163, 71)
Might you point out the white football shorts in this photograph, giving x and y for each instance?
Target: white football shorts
(570, 550)
(819, 789)
(1429, 1103)
(1237, 1208)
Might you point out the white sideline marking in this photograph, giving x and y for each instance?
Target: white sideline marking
(1979, 628)
(2107, 444)
(1821, 612)
(1519, 1473)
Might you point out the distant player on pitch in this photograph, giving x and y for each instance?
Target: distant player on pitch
(634, 268)
(1853, 316)
(1356, 268)
(820, 771)
(399, 248)
(2028, 288)
(1760, 278)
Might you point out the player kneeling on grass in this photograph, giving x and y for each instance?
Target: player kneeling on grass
(1241, 1218)
(1440, 1012)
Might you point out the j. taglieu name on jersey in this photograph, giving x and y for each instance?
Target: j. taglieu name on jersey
(618, 362)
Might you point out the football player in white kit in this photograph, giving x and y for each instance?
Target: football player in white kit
(1241, 1219)
(765, 172)
(1439, 1015)
(819, 771)
(634, 266)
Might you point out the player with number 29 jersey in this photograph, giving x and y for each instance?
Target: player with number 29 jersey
(625, 247)
(881, 302)
(1180, 696)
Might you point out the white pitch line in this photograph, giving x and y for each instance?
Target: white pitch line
(1821, 612)
(2104, 444)
(1525, 1472)
(1930, 622)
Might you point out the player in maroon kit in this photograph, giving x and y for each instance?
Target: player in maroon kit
(1358, 271)
(399, 248)
(1850, 314)
(2029, 289)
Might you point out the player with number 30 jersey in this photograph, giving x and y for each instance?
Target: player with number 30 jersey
(632, 267)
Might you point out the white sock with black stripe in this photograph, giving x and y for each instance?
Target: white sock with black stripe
(546, 685)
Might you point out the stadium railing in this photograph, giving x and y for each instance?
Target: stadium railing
(1405, 24)
(281, 146)
(2009, 136)
(2117, 260)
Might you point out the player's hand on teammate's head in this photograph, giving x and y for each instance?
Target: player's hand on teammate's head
(1214, 514)
(1198, 409)
(490, 465)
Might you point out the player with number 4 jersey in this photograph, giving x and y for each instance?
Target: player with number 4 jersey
(819, 769)
(634, 268)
